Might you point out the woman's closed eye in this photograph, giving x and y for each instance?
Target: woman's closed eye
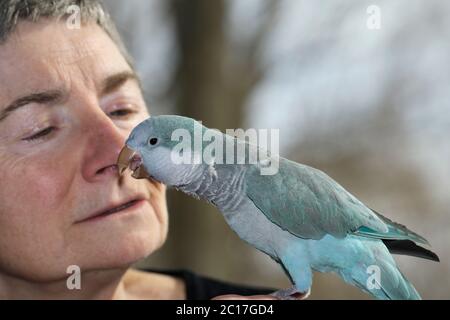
(123, 111)
(42, 134)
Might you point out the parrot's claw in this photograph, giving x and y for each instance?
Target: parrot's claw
(291, 294)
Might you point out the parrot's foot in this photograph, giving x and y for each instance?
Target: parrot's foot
(291, 294)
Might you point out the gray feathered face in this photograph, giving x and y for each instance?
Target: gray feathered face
(148, 150)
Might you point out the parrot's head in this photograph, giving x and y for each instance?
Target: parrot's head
(149, 149)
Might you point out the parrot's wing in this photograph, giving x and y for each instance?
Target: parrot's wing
(309, 204)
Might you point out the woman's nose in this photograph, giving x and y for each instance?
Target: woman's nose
(104, 143)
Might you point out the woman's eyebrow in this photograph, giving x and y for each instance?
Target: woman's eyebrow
(110, 84)
(45, 97)
(115, 81)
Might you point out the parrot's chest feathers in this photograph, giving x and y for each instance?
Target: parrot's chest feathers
(221, 185)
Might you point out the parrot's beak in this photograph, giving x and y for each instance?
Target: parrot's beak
(129, 158)
(123, 161)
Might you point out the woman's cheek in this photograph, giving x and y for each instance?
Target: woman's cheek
(43, 182)
(159, 203)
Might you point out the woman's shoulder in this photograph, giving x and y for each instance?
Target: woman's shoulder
(197, 287)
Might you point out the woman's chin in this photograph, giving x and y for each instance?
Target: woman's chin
(130, 247)
(137, 248)
(113, 244)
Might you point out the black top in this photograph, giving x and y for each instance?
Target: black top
(204, 288)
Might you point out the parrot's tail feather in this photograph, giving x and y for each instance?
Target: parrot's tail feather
(407, 291)
(392, 285)
(409, 248)
(413, 294)
(380, 277)
(400, 230)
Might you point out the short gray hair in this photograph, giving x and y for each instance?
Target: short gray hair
(14, 11)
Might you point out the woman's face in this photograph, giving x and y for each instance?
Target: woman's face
(68, 101)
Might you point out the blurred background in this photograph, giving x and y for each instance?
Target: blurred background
(370, 107)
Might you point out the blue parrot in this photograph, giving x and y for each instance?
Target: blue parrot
(300, 217)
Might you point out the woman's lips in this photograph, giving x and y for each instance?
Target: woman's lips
(130, 205)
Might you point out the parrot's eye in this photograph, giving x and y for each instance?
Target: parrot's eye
(153, 141)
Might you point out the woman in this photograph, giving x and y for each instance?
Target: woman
(69, 97)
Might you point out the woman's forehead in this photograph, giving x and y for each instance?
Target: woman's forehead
(38, 56)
